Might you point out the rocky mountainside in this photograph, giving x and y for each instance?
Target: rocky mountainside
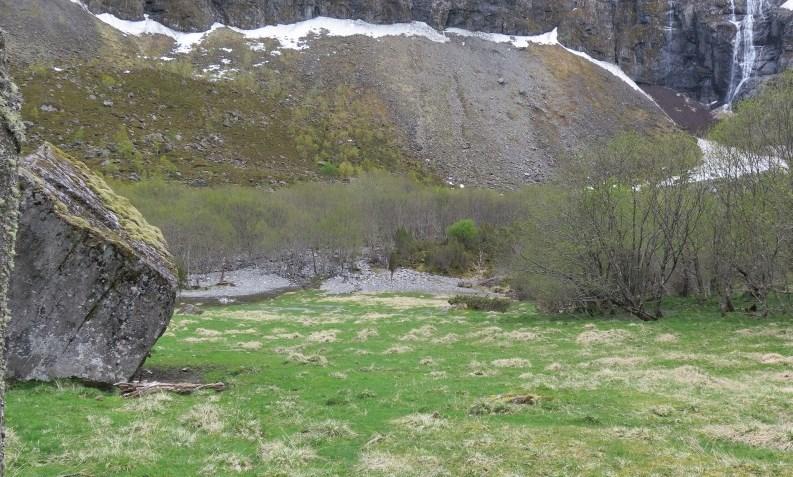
(230, 107)
(268, 107)
(687, 45)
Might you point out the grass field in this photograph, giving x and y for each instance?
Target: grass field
(403, 386)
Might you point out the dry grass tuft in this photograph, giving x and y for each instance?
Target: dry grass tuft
(385, 463)
(324, 336)
(328, 430)
(241, 331)
(421, 422)
(488, 334)
(283, 335)
(300, 358)
(206, 417)
(396, 302)
(619, 361)
(687, 375)
(771, 436)
(480, 369)
(207, 339)
(148, 403)
(247, 315)
(554, 367)
(501, 404)
(250, 345)
(592, 337)
(398, 350)
(419, 334)
(511, 363)
(775, 358)
(365, 334)
(479, 463)
(447, 339)
(521, 335)
(666, 338)
(286, 455)
(784, 377)
(218, 464)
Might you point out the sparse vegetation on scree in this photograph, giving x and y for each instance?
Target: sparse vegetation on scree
(380, 385)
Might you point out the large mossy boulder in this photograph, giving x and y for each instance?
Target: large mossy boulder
(93, 286)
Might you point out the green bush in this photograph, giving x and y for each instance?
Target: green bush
(328, 169)
(464, 231)
(481, 303)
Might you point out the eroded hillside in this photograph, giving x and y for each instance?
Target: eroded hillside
(686, 45)
(463, 110)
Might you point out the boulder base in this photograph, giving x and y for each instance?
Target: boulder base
(93, 286)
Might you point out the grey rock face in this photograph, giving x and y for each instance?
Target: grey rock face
(10, 137)
(682, 44)
(93, 286)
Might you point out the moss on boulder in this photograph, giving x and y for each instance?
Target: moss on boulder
(94, 285)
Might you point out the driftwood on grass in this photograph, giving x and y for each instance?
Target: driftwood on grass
(141, 388)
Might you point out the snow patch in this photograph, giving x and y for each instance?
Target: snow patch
(718, 162)
(611, 68)
(184, 41)
(79, 2)
(294, 36)
(550, 38)
(787, 5)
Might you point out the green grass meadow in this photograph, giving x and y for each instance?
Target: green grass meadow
(386, 385)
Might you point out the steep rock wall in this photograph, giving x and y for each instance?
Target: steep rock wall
(683, 44)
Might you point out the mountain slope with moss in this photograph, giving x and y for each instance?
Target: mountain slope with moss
(467, 111)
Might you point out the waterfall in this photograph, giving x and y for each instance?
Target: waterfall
(669, 37)
(744, 52)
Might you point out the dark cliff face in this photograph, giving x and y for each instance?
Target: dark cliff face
(683, 44)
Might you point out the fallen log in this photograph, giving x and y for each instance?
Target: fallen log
(141, 388)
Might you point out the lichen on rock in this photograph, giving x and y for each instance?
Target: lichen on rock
(94, 285)
(100, 209)
(10, 101)
(11, 137)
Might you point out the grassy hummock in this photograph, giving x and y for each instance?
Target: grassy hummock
(378, 385)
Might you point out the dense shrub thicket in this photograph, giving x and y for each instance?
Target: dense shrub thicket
(626, 224)
(635, 221)
(411, 224)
